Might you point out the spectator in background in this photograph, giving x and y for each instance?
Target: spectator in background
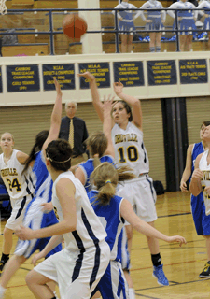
(186, 22)
(125, 18)
(74, 130)
(155, 20)
(204, 6)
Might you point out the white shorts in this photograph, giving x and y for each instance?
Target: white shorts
(141, 194)
(18, 212)
(74, 271)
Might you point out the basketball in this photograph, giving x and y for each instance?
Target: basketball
(74, 26)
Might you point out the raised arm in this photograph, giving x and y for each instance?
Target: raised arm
(56, 117)
(108, 126)
(187, 171)
(195, 183)
(98, 105)
(133, 102)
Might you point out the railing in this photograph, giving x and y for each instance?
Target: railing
(116, 31)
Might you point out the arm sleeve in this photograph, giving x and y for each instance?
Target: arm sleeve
(142, 13)
(195, 12)
(171, 13)
(163, 15)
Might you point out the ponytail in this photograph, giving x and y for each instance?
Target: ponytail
(30, 159)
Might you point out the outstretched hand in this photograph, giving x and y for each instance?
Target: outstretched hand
(108, 103)
(86, 75)
(118, 87)
(37, 257)
(25, 233)
(57, 87)
(181, 240)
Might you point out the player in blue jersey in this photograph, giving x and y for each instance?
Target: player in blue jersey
(126, 24)
(186, 22)
(201, 221)
(113, 210)
(35, 218)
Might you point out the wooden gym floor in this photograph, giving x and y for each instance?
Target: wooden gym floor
(182, 266)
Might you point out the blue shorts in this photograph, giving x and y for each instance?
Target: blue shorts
(201, 221)
(113, 284)
(123, 253)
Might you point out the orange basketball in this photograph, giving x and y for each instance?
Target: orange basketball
(74, 26)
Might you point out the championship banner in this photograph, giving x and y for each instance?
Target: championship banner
(1, 86)
(130, 74)
(64, 73)
(21, 78)
(193, 71)
(161, 72)
(99, 70)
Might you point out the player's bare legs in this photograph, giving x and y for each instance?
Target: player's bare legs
(37, 283)
(123, 43)
(130, 43)
(7, 242)
(153, 243)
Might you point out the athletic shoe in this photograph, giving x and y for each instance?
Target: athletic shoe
(158, 273)
(206, 270)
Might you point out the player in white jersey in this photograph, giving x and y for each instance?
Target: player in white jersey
(80, 265)
(200, 182)
(113, 210)
(129, 150)
(19, 186)
(34, 216)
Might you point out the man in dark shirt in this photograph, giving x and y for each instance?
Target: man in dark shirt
(76, 135)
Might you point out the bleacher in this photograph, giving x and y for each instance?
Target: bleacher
(39, 21)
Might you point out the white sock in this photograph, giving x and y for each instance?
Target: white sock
(131, 294)
(2, 291)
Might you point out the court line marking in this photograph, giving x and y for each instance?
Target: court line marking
(173, 284)
(174, 215)
(145, 296)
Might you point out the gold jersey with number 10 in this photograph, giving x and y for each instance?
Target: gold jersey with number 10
(129, 148)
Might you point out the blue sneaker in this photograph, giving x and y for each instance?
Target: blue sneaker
(158, 273)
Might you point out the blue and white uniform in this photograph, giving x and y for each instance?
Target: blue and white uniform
(126, 24)
(20, 188)
(88, 167)
(204, 5)
(34, 217)
(79, 266)
(187, 16)
(113, 283)
(154, 17)
(201, 221)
